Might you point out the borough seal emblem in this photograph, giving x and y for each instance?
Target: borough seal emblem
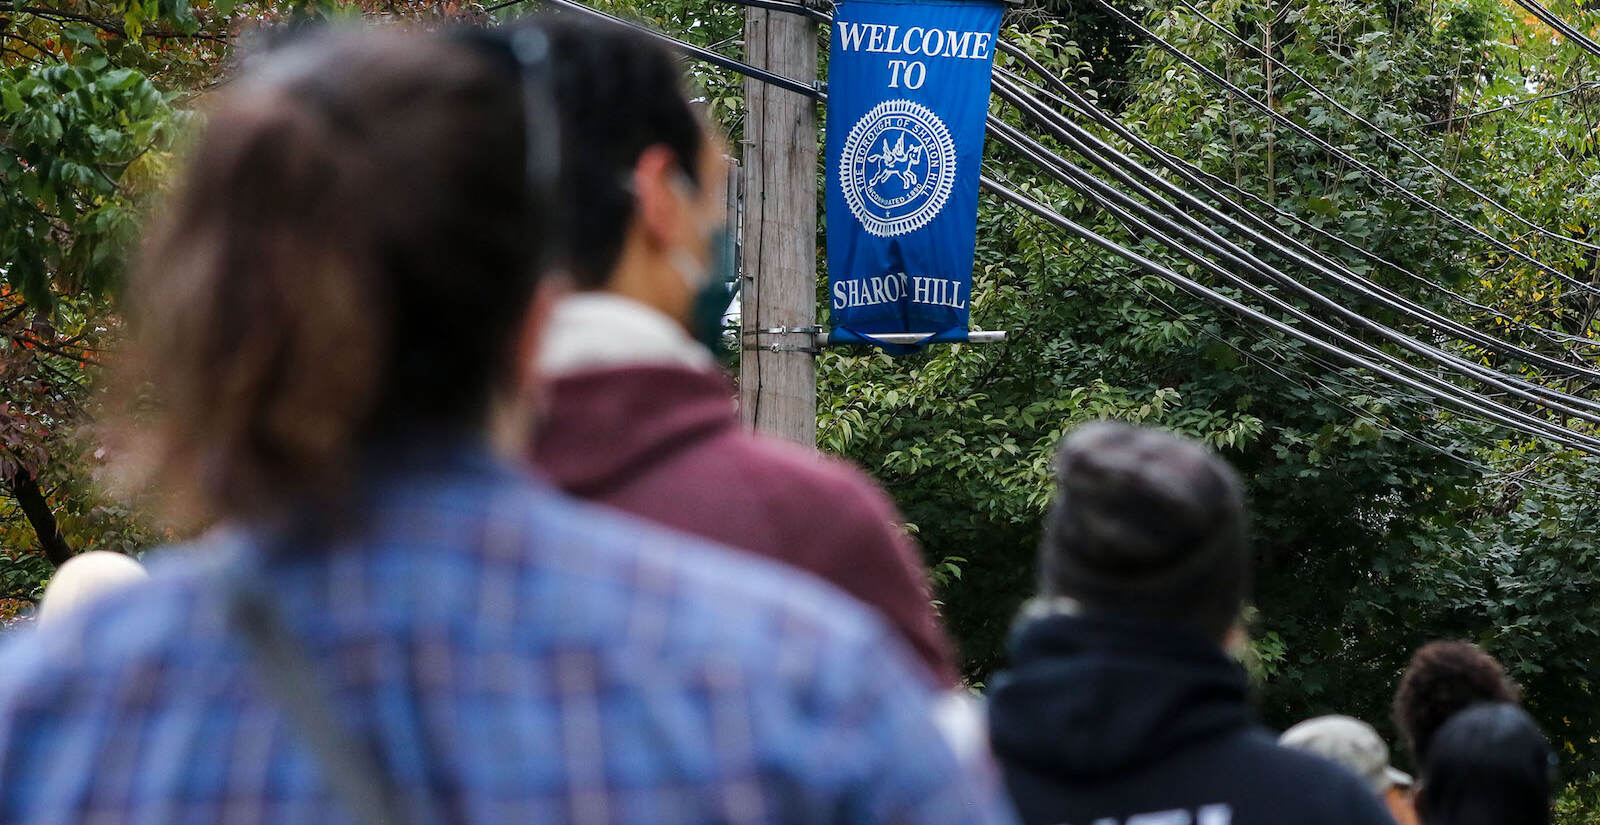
(897, 168)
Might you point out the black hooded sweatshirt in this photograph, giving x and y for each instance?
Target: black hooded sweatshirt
(1103, 721)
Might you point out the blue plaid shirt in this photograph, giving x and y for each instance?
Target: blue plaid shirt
(511, 656)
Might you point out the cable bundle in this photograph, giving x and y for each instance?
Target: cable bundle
(1166, 213)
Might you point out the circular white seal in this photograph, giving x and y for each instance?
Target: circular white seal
(897, 168)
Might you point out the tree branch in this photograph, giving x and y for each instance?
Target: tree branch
(30, 340)
(111, 27)
(31, 499)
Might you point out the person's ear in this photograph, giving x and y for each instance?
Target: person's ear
(661, 210)
(1236, 641)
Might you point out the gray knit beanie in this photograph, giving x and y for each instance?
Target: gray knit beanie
(1147, 524)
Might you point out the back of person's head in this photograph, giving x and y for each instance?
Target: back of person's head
(617, 93)
(1442, 679)
(1489, 765)
(350, 260)
(85, 578)
(1147, 524)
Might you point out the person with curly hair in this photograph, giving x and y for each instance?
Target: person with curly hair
(1443, 679)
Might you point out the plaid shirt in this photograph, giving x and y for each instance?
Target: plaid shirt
(511, 656)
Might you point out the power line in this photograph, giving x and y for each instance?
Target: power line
(815, 14)
(1422, 381)
(1587, 84)
(1324, 386)
(1344, 156)
(1200, 178)
(1163, 229)
(1378, 130)
(1194, 288)
(1272, 237)
(1562, 27)
(700, 52)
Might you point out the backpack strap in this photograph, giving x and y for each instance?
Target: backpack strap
(358, 784)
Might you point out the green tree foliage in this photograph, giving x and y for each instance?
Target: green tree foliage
(85, 136)
(94, 96)
(1381, 520)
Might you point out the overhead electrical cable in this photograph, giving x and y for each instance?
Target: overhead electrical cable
(699, 52)
(1194, 288)
(1324, 385)
(1427, 205)
(1331, 389)
(1155, 226)
(795, 8)
(1587, 84)
(1275, 239)
(1208, 182)
(1408, 376)
(1164, 229)
(815, 14)
(1378, 130)
(1562, 27)
(1300, 255)
(1161, 228)
(1335, 390)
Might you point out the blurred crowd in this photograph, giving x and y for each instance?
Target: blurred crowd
(428, 340)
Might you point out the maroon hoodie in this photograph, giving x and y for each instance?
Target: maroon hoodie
(665, 443)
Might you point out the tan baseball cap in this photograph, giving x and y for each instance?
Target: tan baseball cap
(1350, 742)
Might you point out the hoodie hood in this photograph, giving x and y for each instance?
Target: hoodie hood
(1092, 696)
(605, 427)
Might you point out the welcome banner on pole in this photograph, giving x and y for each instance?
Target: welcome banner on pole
(908, 91)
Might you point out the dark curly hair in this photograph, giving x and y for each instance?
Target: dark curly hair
(1443, 679)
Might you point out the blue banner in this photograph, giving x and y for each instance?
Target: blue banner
(908, 90)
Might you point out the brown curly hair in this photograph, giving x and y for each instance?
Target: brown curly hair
(1444, 678)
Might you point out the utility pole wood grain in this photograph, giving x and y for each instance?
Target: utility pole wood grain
(778, 390)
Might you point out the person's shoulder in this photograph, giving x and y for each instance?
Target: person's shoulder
(712, 594)
(817, 469)
(807, 478)
(97, 645)
(1323, 790)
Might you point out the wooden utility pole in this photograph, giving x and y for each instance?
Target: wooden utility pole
(777, 367)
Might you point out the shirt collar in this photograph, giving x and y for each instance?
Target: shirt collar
(596, 330)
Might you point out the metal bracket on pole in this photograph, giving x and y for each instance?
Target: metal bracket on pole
(811, 333)
(820, 338)
(977, 336)
(811, 330)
